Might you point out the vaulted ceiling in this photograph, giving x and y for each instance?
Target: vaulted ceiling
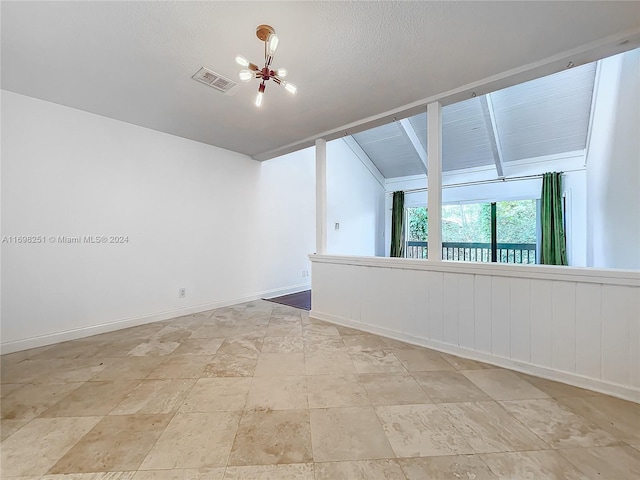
(542, 117)
(356, 64)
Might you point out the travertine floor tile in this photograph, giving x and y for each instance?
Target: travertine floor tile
(421, 431)
(352, 433)
(393, 389)
(216, 473)
(129, 368)
(421, 360)
(325, 344)
(537, 465)
(557, 425)
(33, 399)
(489, 428)
(460, 363)
(199, 346)
(447, 387)
(241, 345)
(557, 389)
(282, 345)
(26, 371)
(217, 395)
(289, 329)
(359, 470)
(9, 388)
(9, 427)
(285, 320)
(319, 329)
(605, 462)
(231, 366)
(212, 331)
(324, 363)
(465, 467)
(170, 334)
(194, 440)
(335, 391)
(502, 384)
(181, 366)
(277, 393)
(376, 361)
(73, 349)
(155, 396)
(53, 370)
(398, 345)
(153, 349)
(359, 343)
(348, 331)
(92, 398)
(74, 369)
(618, 417)
(266, 438)
(51, 438)
(280, 364)
(246, 328)
(90, 476)
(17, 357)
(116, 348)
(293, 471)
(116, 443)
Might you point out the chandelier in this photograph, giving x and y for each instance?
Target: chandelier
(267, 35)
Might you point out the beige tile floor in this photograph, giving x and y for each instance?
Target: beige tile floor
(262, 391)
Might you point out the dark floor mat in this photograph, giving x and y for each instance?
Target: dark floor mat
(297, 300)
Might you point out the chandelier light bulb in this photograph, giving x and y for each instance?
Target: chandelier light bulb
(273, 44)
(246, 75)
(267, 35)
(242, 61)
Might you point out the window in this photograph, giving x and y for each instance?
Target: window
(503, 232)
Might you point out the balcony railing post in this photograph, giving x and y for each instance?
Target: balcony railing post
(494, 234)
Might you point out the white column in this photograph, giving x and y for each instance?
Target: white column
(321, 196)
(434, 180)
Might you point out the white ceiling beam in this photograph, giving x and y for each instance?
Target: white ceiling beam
(492, 130)
(408, 129)
(364, 158)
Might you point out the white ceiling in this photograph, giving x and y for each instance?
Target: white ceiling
(353, 62)
(538, 118)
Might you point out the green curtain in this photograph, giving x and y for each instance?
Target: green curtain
(397, 225)
(553, 246)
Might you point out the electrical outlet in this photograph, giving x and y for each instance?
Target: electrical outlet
(182, 292)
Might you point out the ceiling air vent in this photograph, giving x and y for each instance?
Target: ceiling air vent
(214, 80)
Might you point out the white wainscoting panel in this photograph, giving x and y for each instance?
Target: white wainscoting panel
(541, 322)
(482, 299)
(579, 326)
(588, 321)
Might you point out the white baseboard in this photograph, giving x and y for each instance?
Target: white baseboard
(87, 331)
(616, 390)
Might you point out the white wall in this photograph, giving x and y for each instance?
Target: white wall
(580, 326)
(217, 223)
(355, 200)
(613, 166)
(285, 231)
